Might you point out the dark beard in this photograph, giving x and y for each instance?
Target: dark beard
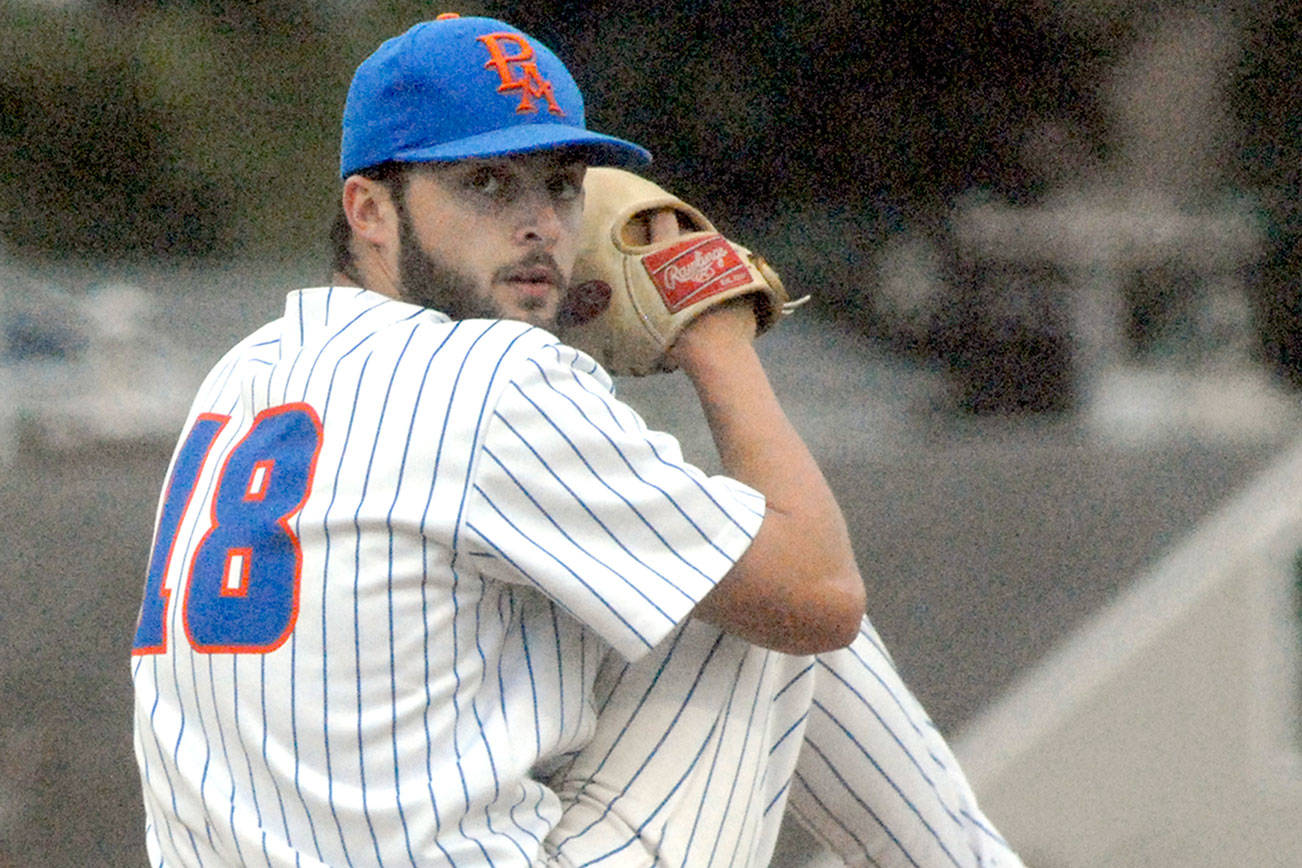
(430, 283)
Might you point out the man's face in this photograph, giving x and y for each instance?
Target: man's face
(491, 238)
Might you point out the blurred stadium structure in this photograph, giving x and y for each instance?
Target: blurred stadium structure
(1167, 730)
(87, 368)
(1047, 346)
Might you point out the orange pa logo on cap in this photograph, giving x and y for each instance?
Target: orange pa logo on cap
(465, 88)
(530, 82)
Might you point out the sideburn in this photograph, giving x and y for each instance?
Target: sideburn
(434, 284)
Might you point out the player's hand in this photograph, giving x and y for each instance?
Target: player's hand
(652, 227)
(719, 329)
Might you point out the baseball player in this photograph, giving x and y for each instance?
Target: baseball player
(423, 591)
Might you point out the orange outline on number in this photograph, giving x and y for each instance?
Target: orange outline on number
(282, 522)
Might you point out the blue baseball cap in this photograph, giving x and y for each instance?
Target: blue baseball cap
(456, 88)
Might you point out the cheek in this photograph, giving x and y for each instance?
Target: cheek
(452, 246)
(567, 245)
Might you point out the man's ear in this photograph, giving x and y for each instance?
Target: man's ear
(370, 211)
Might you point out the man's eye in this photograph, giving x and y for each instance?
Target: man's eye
(487, 182)
(565, 187)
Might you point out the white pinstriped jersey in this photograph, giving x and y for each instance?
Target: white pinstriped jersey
(391, 554)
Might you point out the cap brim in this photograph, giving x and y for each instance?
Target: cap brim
(597, 149)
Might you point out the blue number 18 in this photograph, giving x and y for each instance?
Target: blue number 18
(242, 583)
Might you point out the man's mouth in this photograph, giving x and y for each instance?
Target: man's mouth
(535, 277)
(534, 281)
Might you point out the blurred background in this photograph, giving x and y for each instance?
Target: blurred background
(1053, 249)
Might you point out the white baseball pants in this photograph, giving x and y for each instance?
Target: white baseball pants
(702, 746)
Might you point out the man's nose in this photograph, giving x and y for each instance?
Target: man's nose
(540, 222)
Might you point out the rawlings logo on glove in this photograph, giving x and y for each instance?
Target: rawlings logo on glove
(711, 267)
(629, 301)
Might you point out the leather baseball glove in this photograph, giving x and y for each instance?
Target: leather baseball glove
(629, 299)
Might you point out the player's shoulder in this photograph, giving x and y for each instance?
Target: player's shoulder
(347, 317)
(529, 352)
(355, 321)
(261, 344)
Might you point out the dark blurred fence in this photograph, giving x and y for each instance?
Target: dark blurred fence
(135, 129)
(210, 127)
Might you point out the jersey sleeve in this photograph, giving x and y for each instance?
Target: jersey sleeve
(574, 495)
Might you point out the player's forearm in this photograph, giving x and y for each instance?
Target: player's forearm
(797, 588)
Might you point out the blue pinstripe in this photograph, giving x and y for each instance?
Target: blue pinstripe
(710, 775)
(502, 553)
(293, 728)
(610, 535)
(904, 797)
(429, 702)
(357, 637)
(592, 388)
(636, 474)
(983, 826)
(330, 776)
(330, 773)
(425, 584)
(599, 480)
(859, 842)
(610, 409)
(648, 754)
(523, 489)
(796, 726)
(248, 762)
(754, 714)
(913, 760)
(207, 758)
(455, 643)
(284, 818)
(393, 677)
